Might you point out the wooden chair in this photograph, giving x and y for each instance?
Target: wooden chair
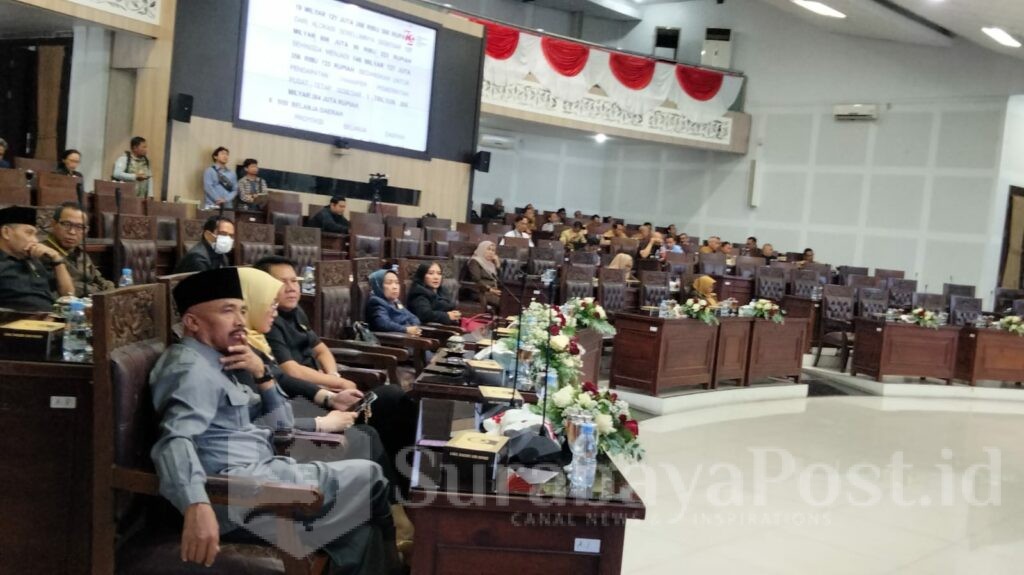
(712, 264)
(15, 196)
(366, 240)
(283, 211)
(13, 178)
(1004, 298)
(302, 246)
(843, 271)
(253, 242)
(543, 259)
(746, 266)
(888, 274)
(823, 271)
(803, 283)
(135, 247)
(130, 334)
(404, 242)
(654, 288)
(105, 208)
(50, 197)
(625, 245)
(950, 290)
(583, 257)
(167, 215)
(173, 315)
(190, 232)
(836, 326)
(770, 283)
(930, 301)
(901, 293)
(858, 281)
(872, 302)
(360, 218)
(52, 180)
(964, 310)
(611, 290)
(497, 228)
(399, 223)
(578, 281)
(109, 188)
(436, 224)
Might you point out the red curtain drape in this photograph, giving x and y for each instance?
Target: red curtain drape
(699, 84)
(566, 58)
(502, 41)
(633, 72)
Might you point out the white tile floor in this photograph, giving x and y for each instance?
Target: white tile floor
(813, 488)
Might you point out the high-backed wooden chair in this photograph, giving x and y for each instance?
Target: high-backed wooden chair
(497, 228)
(399, 223)
(366, 240)
(253, 242)
(173, 315)
(858, 281)
(429, 223)
(930, 301)
(578, 281)
(842, 272)
(135, 247)
(746, 266)
(770, 283)
(803, 282)
(190, 232)
(625, 245)
(654, 288)
(469, 229)
(47, 196)
(836, 326)
(283, 211)
(950, 290)
(13, 178)
(611, 290)
(872, 302)
(404, 242)
(302, 246)
(901, 293)
(712, 264)
(824, 271)
(543, 259)
(52, 180)
(1004, 298)
(130, 333)
(167, 215)
(360, 218)
(888, 274)
(105, 208)
(109, 188)
(964, 310)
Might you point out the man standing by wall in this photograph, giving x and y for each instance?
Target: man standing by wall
(133, 167)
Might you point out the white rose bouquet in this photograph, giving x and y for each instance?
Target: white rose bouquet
(1013, 324)
(767, 309)
(699, 309)
(617, 430)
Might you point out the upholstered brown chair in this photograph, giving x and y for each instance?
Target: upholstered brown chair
(105, 208)
(950, 290)
(302, 245)
(889, 274)
(497, 228)
(253, 242)
(843, 271)
(611, 290)
(13, 178)
(553, 244)
(964, 310)
(50, 179)
(511, 271)
(130, 333)
(653, 288)
(110, 188)
(901, 293)
(360, 218)
(836, 327)
(1018, 307)
(578, 281)
(15, 195)
(543, 259)
(283, 210)
(166, 215)
(366, 240)
(824, 271)
(469, 229)
(429, 223)
(930, 301)
(437, 241)
(770, 283)
(190, 232)
(173, 314)
(1004, 298)
(679, 266)
(404, 242)
(583, 257)
(746, 266)
(712, 264)
(625, 245)
(803, 282)
(858, 281)
(135, 247)
(872, 302)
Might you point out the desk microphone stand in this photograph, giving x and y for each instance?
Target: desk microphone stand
(85, 282)
(549, 282)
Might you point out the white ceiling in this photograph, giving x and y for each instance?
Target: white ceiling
(868, 19)
(967, 17)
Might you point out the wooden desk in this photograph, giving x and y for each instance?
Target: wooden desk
(803, 307)
(654, 354)
(989, 354)
(430, 385)
(735, 287)
(776, 350)
(46, 489)
(889, 348)
(733, 350)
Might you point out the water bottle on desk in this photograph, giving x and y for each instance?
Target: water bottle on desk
(584, 460)
(663, 309)
(308, 281)
(76, 334)
(127, 278)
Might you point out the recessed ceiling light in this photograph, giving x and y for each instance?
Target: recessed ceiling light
(1001, 36)
(819, 8)
(600, 138)
(540, 29)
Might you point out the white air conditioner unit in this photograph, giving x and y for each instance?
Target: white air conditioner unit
(855, 112)
(498, 142)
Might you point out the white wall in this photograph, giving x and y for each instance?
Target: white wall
(90, 77)
(918, 190)
(1011, 169)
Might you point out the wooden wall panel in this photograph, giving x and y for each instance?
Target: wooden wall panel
(51, 69)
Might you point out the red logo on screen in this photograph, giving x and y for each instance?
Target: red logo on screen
(410, 38)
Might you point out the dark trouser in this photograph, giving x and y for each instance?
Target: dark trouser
(394, 417)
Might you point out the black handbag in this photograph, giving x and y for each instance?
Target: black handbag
(364, 334)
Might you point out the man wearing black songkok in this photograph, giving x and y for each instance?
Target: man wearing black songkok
(25, 283)
(207, 427)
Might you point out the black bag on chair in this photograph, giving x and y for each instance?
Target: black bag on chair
(364, 334)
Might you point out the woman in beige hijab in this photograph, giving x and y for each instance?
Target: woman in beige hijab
(623, 261)
(703, 287)
(482, 270)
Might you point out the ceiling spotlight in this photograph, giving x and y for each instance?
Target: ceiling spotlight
(1002, 36)
(819, 8)
(600, 138)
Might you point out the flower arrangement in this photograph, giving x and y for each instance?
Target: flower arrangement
(551, 333)
(584, 313)
(617, 430)
(924, 318)
(698, 308)
(1013, 324)
(767, 309)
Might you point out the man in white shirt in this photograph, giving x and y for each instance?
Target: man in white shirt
(520, 231)
(133, 167)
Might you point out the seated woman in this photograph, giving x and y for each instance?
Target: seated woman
(427, 300)
(703, 288)
(482, 270)
(623, 261)
(260, 291)
(384, 311)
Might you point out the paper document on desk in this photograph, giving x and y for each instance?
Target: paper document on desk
(535, 476)
(492, 393)
(488, 364)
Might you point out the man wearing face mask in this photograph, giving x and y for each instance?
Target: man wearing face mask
(211, 252)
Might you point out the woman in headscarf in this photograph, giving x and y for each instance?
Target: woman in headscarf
(482, 270)
(703, 288)
(623, 261)
(260, 291)
(427, 300)
(384, 310)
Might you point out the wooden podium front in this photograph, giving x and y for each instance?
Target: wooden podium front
(888, 348)
(777, 350)
(655, 355)
(989, 354)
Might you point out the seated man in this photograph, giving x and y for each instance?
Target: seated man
(670, 246)
(711, 245)
(652, 247)
(301, 354)
(618, 231)
(726, 248)
(207, 427)
(522, 230)
(751, 248)
(574, 237)
(495, 211)
(26, 284)
(331, 218)
(67, 237)
(553, 221)
(212, 251)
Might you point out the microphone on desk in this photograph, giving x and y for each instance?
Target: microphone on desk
(81, 205)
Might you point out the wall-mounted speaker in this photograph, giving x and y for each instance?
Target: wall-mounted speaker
(482, 161)
(181, 108)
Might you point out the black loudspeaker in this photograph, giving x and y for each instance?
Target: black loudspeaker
(482, 161)
(181, 107)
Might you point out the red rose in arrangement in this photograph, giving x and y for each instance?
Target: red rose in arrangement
(555, 330)
(633, 427)
(589, 387)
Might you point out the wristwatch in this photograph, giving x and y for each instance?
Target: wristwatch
(327, 401)
(267, 376)
(57, 262)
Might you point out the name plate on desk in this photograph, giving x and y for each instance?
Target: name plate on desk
(471, 450)
(491, 393)
(30, 339)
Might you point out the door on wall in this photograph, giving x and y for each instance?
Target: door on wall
(1012, 264)
(34, 82)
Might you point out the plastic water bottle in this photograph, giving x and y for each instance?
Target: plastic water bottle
(663, 309)
(76, 334)
(584, 460)
(308, 281)
(127, 279)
